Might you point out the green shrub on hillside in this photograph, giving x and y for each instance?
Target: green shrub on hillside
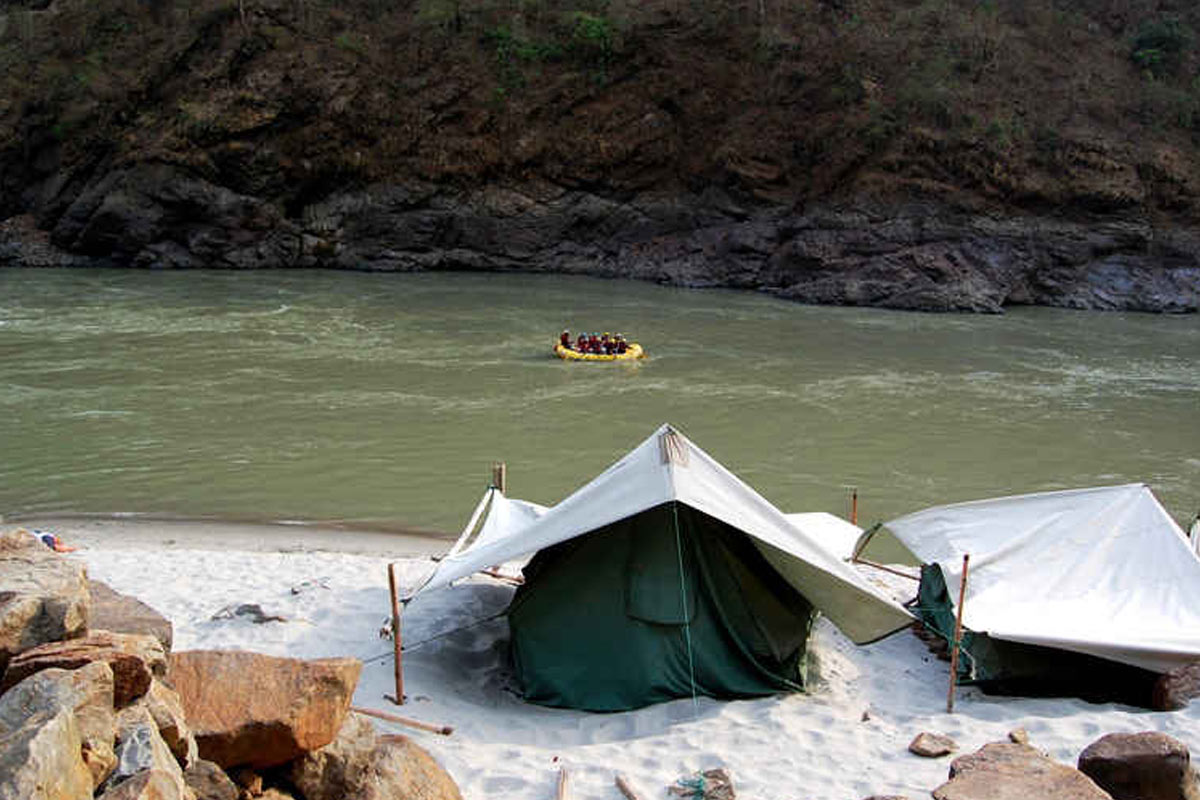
(1160, 45)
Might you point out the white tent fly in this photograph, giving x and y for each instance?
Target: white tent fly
(668, 467)
(1103, 571)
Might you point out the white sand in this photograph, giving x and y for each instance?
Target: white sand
(845, 739)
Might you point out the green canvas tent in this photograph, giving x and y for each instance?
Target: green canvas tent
(664, 577)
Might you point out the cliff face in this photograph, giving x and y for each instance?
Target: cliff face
(931, 155)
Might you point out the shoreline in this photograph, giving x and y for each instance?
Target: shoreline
(137, 532)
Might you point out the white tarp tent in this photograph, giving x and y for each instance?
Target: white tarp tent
(668, 467)
(1103, 571)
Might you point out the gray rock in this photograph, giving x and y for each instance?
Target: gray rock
(209, 782)
(120, 613)
(931, 745)
(1009, 771)
(41, 760)
(1141, 766)
(166, 708)
(152, 784)
(140, 749)
(44, 596)
(87, 692)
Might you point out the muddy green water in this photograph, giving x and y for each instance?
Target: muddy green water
(383, 399)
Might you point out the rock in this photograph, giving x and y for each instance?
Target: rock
(1140, 766)
(710, 784)
(44, 597)
(87, 692)
(140, 748)
(152, 784)
(358, 765)
(134, 660)
(120, 613)
(248, 709)
(209, 782)
(165, 707)
(249, 780)
(1175, 689)
(886, 797)
(1018, 736)
(931, 745)
(1008, 771)
(41, 760)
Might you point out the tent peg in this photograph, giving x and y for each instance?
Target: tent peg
(962, 597)
(396, 644)
(500, 476)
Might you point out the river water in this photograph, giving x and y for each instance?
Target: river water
(383, 399)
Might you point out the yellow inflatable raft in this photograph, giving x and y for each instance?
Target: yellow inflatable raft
(634, 352)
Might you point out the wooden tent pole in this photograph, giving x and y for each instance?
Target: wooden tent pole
(962, 597)
(562, 783)
(444, 730)
(626, 789)
(396, 644)
(853, 505)
(500, 476)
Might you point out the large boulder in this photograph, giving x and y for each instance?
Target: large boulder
(44, 597)
(358, 765)
(120, 613)
(135, 660)
(87, 692)
(41, 760)
(1010, 771)
(249, 709)
(1175, 689)
(1141, 766)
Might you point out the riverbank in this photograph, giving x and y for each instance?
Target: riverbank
(847, 737)
(147, 534)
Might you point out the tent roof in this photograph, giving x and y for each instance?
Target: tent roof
(668, 467)
(1104, 571)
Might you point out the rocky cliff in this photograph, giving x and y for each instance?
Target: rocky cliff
(942, 154)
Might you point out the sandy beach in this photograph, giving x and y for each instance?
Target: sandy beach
(845, 738)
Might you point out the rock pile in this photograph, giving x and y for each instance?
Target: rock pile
(113, 714)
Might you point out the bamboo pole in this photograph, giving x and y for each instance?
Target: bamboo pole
(562, 783)
(885, 568)
(444, 730)
(396, 644)
(626, 789)
(500, 476)
(962, 596)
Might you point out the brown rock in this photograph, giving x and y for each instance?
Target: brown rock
(248, 709)
(120, 613)
(1140, 766)
(1175, 689)
(209, 782)
(166, 708)
(1018, 736)
(42, 761)
(87, 692)
(249, 780)
(358, 765)
(149, 785)
(931, 745)
(1008, 771)
(134, 660)
(44, 596)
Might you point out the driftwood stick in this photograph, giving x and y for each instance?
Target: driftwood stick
(962, 596)
(562, 783)
(626, 789)
(399, 666)
(500, 576)
(444, 730)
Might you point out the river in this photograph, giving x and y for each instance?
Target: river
(382, 399)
